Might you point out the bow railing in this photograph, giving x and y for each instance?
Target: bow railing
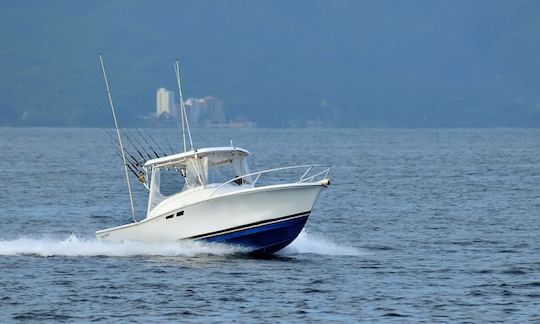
(312, 173)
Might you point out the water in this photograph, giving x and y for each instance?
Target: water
(418, 225)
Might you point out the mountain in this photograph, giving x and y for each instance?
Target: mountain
(278, 63)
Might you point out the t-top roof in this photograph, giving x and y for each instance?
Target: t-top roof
(228, 152)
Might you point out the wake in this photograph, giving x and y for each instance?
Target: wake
(74, 246)
(310, 243)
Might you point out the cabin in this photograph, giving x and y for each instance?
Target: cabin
(196, 170)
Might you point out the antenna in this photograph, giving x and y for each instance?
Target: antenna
(181, 99)
(185, 122)
(119, 137)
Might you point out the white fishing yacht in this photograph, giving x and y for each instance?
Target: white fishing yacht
(210, 194)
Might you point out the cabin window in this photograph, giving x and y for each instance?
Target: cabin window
(241, 168)
(227, 170)
(172, 181)
(221, 173)
(196, 172)
(164, 182)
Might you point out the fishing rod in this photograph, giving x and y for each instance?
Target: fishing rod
(172, 152)
(134, 159)
(139, 143)
(170, 146)
(138, 174)
(129, 165)
(133, 144)
(150, 146)
(153, 140)
(115, 141)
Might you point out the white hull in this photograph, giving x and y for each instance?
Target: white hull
(220, 214)
(219, 200)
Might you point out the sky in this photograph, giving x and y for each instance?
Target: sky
(278, 63)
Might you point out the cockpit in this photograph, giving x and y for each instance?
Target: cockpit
(205, 168)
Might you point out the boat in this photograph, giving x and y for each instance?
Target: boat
(209, 194)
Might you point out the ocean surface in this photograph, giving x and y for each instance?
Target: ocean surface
(418, 225)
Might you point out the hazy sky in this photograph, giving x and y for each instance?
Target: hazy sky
(279, 63)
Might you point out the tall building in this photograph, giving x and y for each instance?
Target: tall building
(165, 102)
(205, 112)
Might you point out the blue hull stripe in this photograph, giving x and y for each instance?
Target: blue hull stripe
(263, 237)
(242, 227)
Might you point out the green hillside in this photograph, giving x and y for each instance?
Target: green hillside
(279, 63)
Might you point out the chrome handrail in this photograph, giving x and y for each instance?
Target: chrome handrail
(301, 180)
(303, 175)
(315, 175)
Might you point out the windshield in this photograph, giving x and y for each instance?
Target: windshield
(230, 169)
(195, 172)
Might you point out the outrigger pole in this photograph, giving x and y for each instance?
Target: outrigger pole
(185, 123)
(119, 137)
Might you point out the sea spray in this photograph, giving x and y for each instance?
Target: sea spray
(313, 243)
(75, 246)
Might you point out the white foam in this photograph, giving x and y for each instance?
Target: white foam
(309, 243)
(74, 246)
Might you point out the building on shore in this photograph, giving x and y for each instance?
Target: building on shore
(165, 104)
(206, 112)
